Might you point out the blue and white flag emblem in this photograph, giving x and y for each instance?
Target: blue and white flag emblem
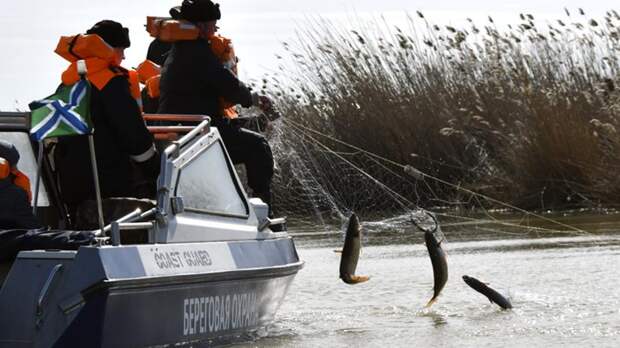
(67, 112)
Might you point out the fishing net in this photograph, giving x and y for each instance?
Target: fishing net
(318, 187)
(320, 180)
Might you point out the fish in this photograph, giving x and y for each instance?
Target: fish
(439, 262)
(351, 252)
(492, 295)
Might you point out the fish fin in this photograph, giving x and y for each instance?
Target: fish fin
(339, 251)
(431, 301)
(354, 279)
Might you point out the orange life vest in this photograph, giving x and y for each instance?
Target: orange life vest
(147, 69)
(224, 51)
(73, 48)
(134, 86)
(152, 86)
(22, 181)
(99, 57)
(152, 24)
(149, 74)
(170, 30)
(5, 168)
(19, 179)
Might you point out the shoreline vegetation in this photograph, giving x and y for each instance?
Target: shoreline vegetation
(528, 115)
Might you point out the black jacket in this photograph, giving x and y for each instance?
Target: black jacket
(119, 134)
(15, 209)
(158, 50)
(193, 79)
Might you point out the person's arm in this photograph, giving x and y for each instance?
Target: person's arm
(124, 116)
(222, 80)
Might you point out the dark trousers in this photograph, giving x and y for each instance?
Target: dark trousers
(253, 150)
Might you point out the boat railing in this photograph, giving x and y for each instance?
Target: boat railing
(174, 118)
(116, 227)
(135, 215)
(267, 222)
(168, 127)
(14, 120)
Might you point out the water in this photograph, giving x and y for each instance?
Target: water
(565, 292)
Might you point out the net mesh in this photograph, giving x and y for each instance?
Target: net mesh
(320, 180)
(317, 187)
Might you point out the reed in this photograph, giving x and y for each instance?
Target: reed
(527, 115)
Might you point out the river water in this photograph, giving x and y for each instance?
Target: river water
(565, 291)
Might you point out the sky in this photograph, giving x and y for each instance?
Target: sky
(30, 29)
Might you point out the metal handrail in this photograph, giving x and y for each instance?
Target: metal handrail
(134, 225)
(170, 129)
(187, 137)
(115, 233)
(128, 217)
(14, 120)
(166, 168)
(175, 117)
(269, 222)
(131, 217)
(46, 288)
(171, 132)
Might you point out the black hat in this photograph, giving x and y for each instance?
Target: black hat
(9, 152)
(197, 11)
(111, 32)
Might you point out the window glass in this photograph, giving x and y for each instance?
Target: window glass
(206, 184)
(27, 162)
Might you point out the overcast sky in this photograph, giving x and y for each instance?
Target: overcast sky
(29, 29)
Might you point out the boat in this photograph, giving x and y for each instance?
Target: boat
(202, 263)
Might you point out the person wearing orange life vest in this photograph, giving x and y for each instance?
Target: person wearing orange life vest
(192, 82)
(149, 70)
(157, 52)
(15, 195)
(124, 147)
(149, 74)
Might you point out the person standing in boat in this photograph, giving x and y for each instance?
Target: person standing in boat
(193, 81)
(157, 52)
(15, 195)
(124, 147)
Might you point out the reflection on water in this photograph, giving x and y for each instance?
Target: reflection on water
(438, 319)
(563, 286)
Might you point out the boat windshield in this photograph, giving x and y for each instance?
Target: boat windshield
(207, 184)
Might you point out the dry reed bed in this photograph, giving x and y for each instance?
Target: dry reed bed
(528, 115)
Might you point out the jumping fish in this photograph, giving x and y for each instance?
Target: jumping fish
(351, 252)
(439, 262)
(492, 295)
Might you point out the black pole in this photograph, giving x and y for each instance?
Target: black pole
(93, 161)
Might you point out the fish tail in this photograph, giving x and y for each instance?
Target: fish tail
(354, 279)
(360, 279)
(431, 301)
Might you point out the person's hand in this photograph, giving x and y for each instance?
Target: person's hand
(264, 103)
